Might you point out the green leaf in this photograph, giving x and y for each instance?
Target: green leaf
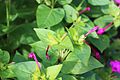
(24, 70)
(68, 77)
(117, 21)
(48, 2)
(92, 77)
(64, 2)
(81, 53)
(18, 58)
(47, 17)
(7, 73)
(111, 9)
(103, 21)
(40, 48)
(99, 2)
(22, 34)
(4, 56)
(46, 36)
(39, 1)
(71, 13)
(53, 71)
(89, 25)
(66, 44)
(101, 43)
(77, 67)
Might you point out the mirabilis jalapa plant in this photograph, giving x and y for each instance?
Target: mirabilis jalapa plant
(68, 40)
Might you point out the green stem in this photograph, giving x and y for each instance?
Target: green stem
(7, 13)
(52, 3)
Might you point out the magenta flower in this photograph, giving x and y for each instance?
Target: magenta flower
(115, 65)
(86, 9)
(102, 30)
(117, 1)
(32, 55)
(92, 30)
(47, 55)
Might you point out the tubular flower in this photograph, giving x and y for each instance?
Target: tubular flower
(92, 30)
(32, 55)
(102, 30)
(86, 9)
(115, 65)
(117, 1)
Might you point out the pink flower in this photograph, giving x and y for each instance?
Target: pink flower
(92, 30)
(32, 55)
(117, 1)
(86, 9)
(102, 30)
(115, 65)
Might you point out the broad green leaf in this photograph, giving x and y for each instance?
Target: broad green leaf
(92, 77)
(71, 13)
(24, 70)
(48, 2)
(103, 21)
(4, 56)
(7, 72)
(111, 9)
(66, 44)
(40, 48)
(69, 77)
(101, 43)
(117, 21)
(64, 2)
(81, 53)
(77, 67)
(22, 34)
(18, 58)
(47, 17)
(39, 1)
(99, 2)
(47, 36)
(53, 71)
(116, 79)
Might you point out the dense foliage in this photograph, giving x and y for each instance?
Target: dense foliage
(59, 39)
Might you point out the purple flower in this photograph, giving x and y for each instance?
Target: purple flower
(32, 55)
(102, 30)
(115, 65)
(86, 9)
(117, 1)
(92, 30)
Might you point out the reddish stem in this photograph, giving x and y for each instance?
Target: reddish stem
(106, 27)
(47, 55)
